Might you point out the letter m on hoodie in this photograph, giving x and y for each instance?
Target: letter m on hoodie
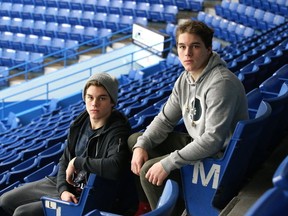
(212, 175)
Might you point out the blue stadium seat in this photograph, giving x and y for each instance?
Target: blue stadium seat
(170, 13)
(47, 170)
(51, 14)
(44, 44)
(250, 73)
(89, 5)
(64, 4)
(51, 29)
(90, 34)
(126, 22)
(15, 25)
(217, 180)
(21, 170)
(31, 43)
(51, 154)
(5, 23)
(277, 120)
(6, 40)
(64, 30)
(8, 55)
(102, 6)
(265, 70)
(62, 16)
(141, 20)
(77, 33)
(36, 62)
(27, 26)
(156, 12)
(16, 10)
(5, 8)
(142, 9)
(112, 22)
(87, 18)
(77, 4)
(21, 57)
(39, 28)
(282, 73)
(99, 20)
(75, 17)
(86, 202)
(128, 8)
(275, 200)
(115, 7)
(39, 12)
(27, 12)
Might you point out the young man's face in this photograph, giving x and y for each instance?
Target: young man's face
(192, 52)
(98, 103)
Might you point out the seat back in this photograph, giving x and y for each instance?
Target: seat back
(167, 201)
(217, 181)
(275, 200)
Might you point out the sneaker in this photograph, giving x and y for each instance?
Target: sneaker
(143, 208)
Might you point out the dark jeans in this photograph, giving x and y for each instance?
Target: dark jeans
(174, 141)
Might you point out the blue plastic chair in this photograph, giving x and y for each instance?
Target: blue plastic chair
(16, 10)
(77, 4)
(112, 22)
(128, 8)
(87, 18)
(99, 20)
(21, 57)
(142, 9)
(89, 5)
(39, 28)
(64, 31)
(90, 34)
(6, 40)
(156, 12)
(51, 14)
(51, 29)
(170, 14)
(22, 169)
(47, 170)
(115, 7)
(31, 42)
(75, 17)
(44, 45)
(5, 8)
(62, 16)
(126, 22)
(27, 26)
(8, 56)
(77, 33)
(27, 12)
(39, 12)
(282, 73)
(217, 181)
(15, 25)
(5, 23)
(275, 200)
(102, 6)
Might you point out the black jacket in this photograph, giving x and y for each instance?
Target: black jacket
(107, 156)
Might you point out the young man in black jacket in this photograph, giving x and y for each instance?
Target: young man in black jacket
(97, 143)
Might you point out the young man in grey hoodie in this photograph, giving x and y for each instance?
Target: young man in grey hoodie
(209, 98)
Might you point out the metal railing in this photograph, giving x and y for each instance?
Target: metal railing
(46, 90)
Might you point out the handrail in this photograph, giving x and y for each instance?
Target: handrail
(45, 90)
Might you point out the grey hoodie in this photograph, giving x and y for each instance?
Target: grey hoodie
(210, 108)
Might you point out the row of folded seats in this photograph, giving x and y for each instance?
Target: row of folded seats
(276, 6)
(156, 12)
(260, 19)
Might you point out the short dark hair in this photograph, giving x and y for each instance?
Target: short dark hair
(198, 28)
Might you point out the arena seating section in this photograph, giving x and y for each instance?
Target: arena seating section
(257, 33)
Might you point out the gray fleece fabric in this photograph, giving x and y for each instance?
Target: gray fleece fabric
(210, 107)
